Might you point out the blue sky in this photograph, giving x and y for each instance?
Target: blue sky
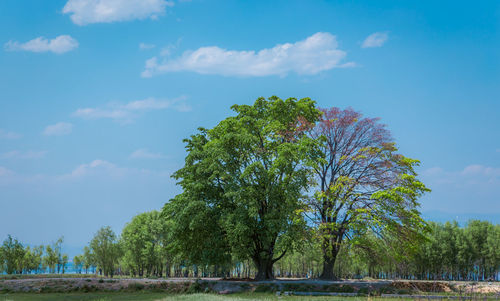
(96, 96)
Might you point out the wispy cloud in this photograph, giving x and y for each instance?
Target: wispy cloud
(83, 12)
(96, 170)
(127, 112)
(168, 49)
(96, 165)
(376, 39)
(481, 170)
(4, 172)
(58, 129)
(59, 45)
(23, 155)
(474, 188)
(313, 55)
(145, 154)
(103, 168)
(474, 174)
(9, 135)
(144, 46)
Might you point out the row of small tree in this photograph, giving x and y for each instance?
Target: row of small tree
(448, 252)
(139, 251)
(15, 258)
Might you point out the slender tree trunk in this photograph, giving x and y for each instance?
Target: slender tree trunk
(167, 269)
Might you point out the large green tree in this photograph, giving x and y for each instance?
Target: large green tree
(243, 183)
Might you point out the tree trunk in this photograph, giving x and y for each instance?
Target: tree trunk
(329, 258)
(328, 264)
(167, 269)
(264, 269)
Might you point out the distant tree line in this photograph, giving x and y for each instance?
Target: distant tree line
(448, 252)
(15, 258)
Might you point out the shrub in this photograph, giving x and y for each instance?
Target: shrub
(403, 292)
(386, 290)
(265, 288)
(344, 288)
(195, 287)
(47, 289)
(364, 291)
(135, 286)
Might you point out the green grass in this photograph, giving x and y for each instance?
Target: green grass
(164, 297)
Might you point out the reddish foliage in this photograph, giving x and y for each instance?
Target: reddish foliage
(355, 147)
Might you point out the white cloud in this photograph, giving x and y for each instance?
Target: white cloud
(58, 129)
(59, 45)
(148, 104)
(23, 155)
(317, 53)
(85, 169)
(9, 135)
(376, 39)
(480, 170)
(103, 168)
(143, 46)
(97, 170)
(474, 175)
(145, 154)
(83, 12)
(127, 112)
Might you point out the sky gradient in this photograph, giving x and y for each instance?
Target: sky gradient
(96, 96)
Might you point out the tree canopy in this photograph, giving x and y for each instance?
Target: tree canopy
(362, 183)
(105, 250)
(243, 183)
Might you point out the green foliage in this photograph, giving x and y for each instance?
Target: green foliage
(78, 263)
(135, 286)
(364, 291)
(105, 250)
(88, 259)
(460, 253)
(53, 256)
(242, 185)
(195, 287)
(265, 288)
(12, 253)
(143, 243)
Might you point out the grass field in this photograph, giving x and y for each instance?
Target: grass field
(163, 297)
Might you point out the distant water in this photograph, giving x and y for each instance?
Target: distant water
(461, 218)
(69, 269)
